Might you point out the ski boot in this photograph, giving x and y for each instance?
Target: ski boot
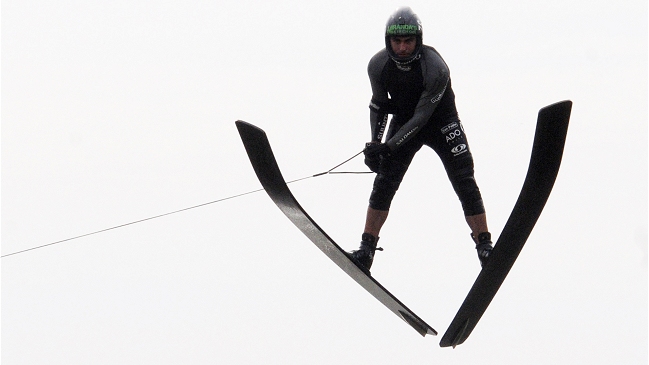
(364, 256)
(483, 246)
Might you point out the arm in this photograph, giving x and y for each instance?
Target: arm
(378, 121)
(380, 105)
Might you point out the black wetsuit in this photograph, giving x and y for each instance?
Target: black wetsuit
(422, 102)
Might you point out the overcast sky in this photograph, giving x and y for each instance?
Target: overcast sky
(117, 111)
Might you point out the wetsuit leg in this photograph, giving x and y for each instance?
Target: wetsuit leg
(452, 146)
(390, 175)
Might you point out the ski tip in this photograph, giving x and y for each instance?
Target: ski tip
(557, 114)
(243, 124)
(246, 128)
(560, 105)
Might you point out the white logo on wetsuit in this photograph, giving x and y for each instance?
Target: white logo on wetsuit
(459, 149)
(406, 135)
(451, 136)
(448, 127)
(438, 97)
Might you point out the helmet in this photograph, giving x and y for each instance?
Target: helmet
(402, 23)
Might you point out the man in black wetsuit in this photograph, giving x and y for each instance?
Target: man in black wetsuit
(411, 81)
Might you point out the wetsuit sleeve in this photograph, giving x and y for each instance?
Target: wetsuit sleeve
(380, 105)
(436, 80)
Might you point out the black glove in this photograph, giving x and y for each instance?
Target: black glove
(373, 155)
(376, 150)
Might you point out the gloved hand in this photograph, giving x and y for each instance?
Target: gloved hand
(373, 152)
(376, 150)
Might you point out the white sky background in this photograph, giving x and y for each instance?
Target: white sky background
(122, 110)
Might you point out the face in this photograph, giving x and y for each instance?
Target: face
(403, 46)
